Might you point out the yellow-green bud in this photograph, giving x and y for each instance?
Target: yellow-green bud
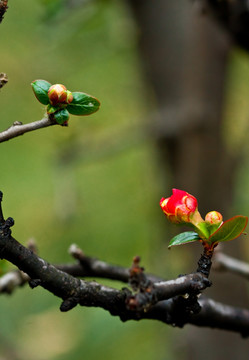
(213, 218)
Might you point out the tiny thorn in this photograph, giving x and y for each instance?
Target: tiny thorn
(9, 222)
(76, 252)
(68, 304)
(207, 282)
(33, 283)
(6, 224)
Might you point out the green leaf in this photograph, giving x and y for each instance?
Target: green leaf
(61, 116)
(83, 104)
(212, 228)
(229, 230)
(184, 238)
(52, 109)
(40, 88)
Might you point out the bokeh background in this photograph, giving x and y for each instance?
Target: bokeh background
(98, 182)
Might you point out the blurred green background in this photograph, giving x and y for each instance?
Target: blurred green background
(94, 183)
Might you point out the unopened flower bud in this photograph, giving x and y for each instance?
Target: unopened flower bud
(213, 218)
(57, 94)
(179, 207)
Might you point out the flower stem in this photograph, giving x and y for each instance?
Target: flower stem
(205, 263)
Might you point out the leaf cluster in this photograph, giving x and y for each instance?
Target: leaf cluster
(228, 230)
(82, 103)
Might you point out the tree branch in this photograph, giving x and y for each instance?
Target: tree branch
(18, 128)
(213, 314)
(87, 267)
(66, 286)
(92, 267)
(75, 291)
(166, 301)
(224, 262)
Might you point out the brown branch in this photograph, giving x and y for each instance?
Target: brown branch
(227, 263)
(18, 128)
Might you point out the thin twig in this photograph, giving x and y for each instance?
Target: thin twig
(18, 128)
(92, 267)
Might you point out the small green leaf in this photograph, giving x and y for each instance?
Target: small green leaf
(52, 109)
(184, 238)
(61, 116)
(212, 228)
(40, 88)
(83, 104)
(229, 230)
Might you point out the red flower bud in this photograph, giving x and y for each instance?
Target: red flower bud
(213, 218)
(57, 94)
(180, 207)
